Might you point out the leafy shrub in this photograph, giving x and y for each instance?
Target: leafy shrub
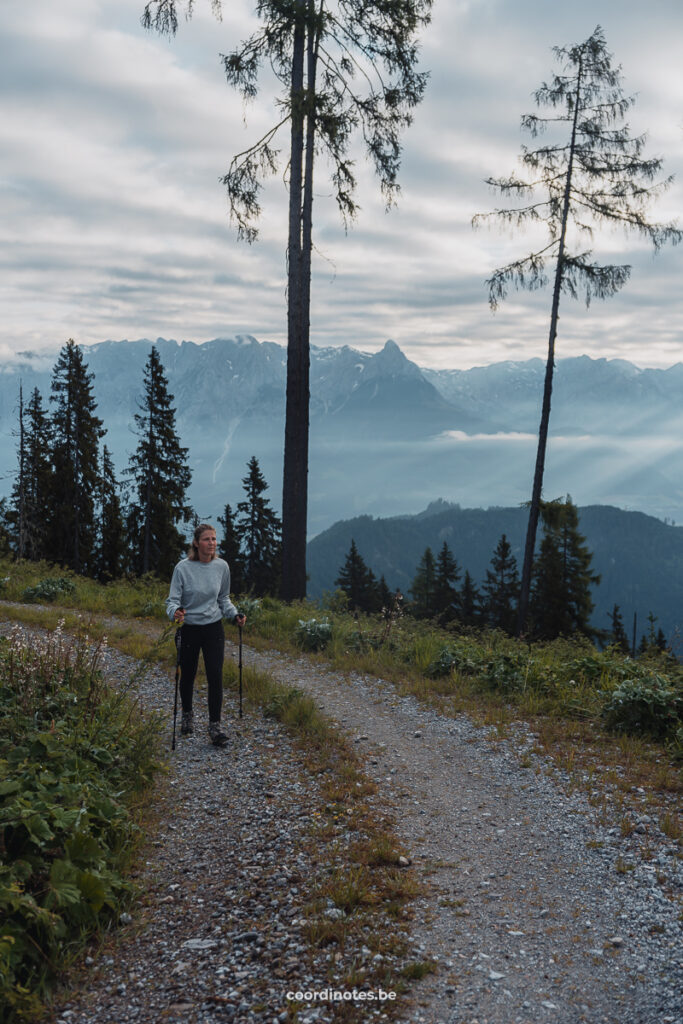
(464, 657)
(507, 672)
(72, 753)
(334, 601)
(251, 607)
(313, 634)
(446, 662)
(49, 589)
(648, 707)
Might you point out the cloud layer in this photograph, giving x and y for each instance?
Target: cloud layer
(114, 224)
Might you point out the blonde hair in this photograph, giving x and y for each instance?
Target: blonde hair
(193, 550)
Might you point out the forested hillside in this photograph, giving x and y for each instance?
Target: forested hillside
(639, 558)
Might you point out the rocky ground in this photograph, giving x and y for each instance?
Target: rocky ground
(534, 909)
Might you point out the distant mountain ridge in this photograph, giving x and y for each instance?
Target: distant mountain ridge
(639, 558)
(387, 436)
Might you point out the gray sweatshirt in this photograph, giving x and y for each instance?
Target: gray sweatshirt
(203, 590)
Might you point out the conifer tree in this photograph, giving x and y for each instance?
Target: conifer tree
(501, 588)
(229, 549)
(5, 527)
(19, 490)
(111, 553)
(593, 174)
(358, 582)
(470, 602)
(617, 636)
(160, 478)
(75, 435)
(423, 588)
(446, 595)
(385, 596)
(561, 602)
(34, 478)
(259, 529)
(345, 66)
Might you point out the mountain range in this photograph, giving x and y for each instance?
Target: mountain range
(389, 437)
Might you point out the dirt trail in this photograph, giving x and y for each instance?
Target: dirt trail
(535, 911)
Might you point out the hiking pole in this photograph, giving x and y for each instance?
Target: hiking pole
(177, 679)
(240, 668)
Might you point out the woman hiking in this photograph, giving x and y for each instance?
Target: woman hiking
(199, 599)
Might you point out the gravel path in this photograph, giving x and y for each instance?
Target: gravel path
(532, 909)
(536, 911)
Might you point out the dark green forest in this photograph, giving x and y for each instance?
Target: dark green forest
(639, 558)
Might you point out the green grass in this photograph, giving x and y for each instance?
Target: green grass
(76, 762)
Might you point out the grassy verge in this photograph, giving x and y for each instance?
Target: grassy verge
(613, 724)
(75, 760)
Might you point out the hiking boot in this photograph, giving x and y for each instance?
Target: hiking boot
(186, 723)
(218, 738)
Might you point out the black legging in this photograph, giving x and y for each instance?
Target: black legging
(210, 640)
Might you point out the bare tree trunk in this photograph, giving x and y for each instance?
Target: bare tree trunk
(535, 505)
(295, 473)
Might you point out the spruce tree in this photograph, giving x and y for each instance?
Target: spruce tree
(75, 435)
(230, 550)
(258, 527)
(590, 173)
(19, 490)
(6, 526)
(470, 602)
(501, 589)
(561, 603)
(423, 588)
(446, 596)
(346, 67)
(617, 635)
(160, 478)
(37, 475)
(385, 596)
(111, 548)
(358, 582)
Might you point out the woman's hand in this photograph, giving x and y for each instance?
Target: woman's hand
(240, 620)
(179, 615)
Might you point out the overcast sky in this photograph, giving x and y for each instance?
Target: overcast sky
(113, 222)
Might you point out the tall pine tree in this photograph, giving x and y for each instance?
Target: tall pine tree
(258, 527)
(160, 476)
(470, 603)
(358, 582)
(346, 67)
(423, 587)
(617, 635)
(111, 536)
(501, 589)
(561, 602)
(229, 549)
(590, 172)
(74, 447)
(36, 471)
(446, 594)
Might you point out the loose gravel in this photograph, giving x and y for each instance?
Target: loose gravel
(533, 908)
(537, 911)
